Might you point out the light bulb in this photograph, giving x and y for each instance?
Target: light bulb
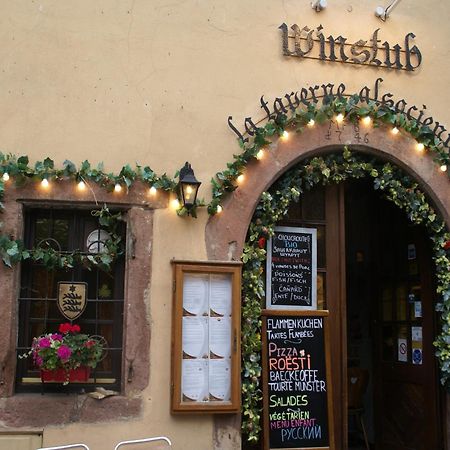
(44, 183)
(81, 185)
(5, 176)
(175, 204)
(219, 209)
(240, 178)
(152, 190)
(395, 130)
(340, 118)
(285, 134)
(311, 123)
(420, 147)
(260, 154)
(367, 120)
(117, 187)
(443, 168)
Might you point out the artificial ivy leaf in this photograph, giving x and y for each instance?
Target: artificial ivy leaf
(48, 163)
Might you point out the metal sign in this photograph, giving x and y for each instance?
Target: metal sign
(325, 93)
(311, 43)
(71, 299)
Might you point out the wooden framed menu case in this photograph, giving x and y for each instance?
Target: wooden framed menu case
(206, 337)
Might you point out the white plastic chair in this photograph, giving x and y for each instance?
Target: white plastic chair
(141, 441)
(62, 447)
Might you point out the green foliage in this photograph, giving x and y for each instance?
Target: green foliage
(351, 107)
(273, 206)
(13, 251)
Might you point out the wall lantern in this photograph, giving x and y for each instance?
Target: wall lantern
(188, 187)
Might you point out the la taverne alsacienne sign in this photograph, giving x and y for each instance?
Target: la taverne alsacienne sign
(311, 43)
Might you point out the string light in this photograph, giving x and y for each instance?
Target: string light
(81, 185)
(443, 168)
(420, 147)
(44, 183)
(175, 204)
(260, 154)
(5, 176)
(240, 178)
(394, 130)
(311, 123)
(367, 120)
(117, 187)
(285, 134)
(152, 190)
(340, 118)
(219, 209)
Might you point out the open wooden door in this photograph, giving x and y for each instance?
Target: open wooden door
(406, 376)
(385, 270)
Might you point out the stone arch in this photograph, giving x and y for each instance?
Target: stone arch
(226, 232)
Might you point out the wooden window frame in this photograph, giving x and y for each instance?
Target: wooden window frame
(180, 268)
(28, 380)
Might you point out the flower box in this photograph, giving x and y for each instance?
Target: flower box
(79, 375)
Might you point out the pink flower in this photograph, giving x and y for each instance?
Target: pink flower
(56, 337)
(38, 360)
(44, 342)
(64, 352)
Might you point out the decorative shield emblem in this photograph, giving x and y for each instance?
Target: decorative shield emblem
(71, 299)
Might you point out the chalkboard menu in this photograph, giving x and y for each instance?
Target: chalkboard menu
(292, 269)
(296, 380)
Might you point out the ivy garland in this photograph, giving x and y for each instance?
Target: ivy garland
(352, 108)
(274, 205)
(13, 250)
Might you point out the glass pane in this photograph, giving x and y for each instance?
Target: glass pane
(401, 299)
(386, 299)
(321, 251)
(321, 293)
(61, 233)
(314, 204)
(388, 343)
(42, 230)
(295, 211)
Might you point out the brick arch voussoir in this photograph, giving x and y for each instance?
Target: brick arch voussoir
(225, 232)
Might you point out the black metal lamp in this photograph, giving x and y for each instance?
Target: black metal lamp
(188, 186)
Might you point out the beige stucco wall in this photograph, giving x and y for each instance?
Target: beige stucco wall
(154, 82)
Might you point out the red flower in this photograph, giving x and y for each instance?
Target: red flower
(262, 242)
(65, 328)
(89, 344)
(447, 245)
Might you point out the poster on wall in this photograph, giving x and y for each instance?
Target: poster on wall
(296, 380)
(291, 270)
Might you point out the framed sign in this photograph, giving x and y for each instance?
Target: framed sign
(206, 337)
(296, 380)
(291, 269)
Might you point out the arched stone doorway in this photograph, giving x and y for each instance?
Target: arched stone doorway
(225, 233)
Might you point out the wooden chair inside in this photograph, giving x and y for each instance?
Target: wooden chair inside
(357, 381)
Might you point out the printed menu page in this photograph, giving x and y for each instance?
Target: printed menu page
(206, 337)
